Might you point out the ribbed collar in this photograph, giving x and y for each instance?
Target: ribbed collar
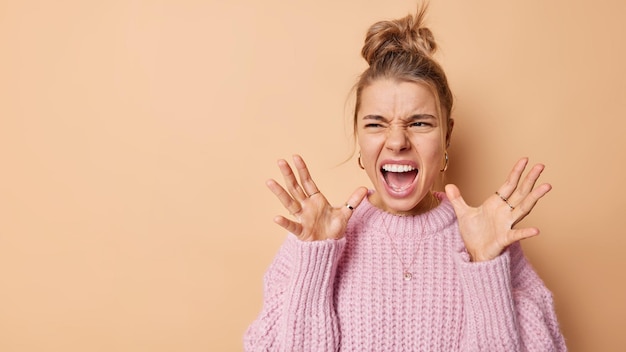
(424, 224)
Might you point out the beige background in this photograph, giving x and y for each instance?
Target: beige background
(136, 136)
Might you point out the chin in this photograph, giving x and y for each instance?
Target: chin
(406, 205)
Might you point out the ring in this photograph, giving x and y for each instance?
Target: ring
(505, 200)
(312, 194)
(349, 206)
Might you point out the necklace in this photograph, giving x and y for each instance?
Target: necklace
(407, 275)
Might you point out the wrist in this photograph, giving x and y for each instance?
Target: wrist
(477, 257)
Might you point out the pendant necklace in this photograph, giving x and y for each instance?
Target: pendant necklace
(407, 275)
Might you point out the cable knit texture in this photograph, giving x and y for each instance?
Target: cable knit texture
(350, 295)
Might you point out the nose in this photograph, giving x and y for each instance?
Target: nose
(397, 139)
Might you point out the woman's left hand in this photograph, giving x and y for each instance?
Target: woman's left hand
(488, 229)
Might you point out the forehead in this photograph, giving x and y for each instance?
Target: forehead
(393, 98)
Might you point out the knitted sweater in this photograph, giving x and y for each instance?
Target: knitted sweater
(350, 294)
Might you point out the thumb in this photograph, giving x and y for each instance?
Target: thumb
(454, 195)
(355, 199)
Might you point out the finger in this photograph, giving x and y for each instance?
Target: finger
(521, 234)
(458, 203)
(305, 177)
(512, 181)
(527, 205)
(353, 201)
(292, 206)
(527, 185)
(290, 181)
(291, 226)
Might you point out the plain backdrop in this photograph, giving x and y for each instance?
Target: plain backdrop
(136, 137)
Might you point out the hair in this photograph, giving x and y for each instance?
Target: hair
(402, 50)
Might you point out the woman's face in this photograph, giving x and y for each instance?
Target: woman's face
(399, 133)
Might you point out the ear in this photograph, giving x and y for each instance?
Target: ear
(449, 131)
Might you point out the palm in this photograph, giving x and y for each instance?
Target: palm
(315, 219)
(319, 217)
(489, 228)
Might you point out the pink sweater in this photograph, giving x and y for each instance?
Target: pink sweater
(350, 295)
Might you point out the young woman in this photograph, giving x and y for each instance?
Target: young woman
(401, 267)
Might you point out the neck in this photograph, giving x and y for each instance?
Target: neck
(428, 203)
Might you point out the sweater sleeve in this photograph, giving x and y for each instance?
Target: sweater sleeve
(507, 306)
(298, 313)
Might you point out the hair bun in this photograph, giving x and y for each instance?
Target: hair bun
(405, 35)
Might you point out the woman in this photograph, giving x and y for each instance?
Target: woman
(402, 267)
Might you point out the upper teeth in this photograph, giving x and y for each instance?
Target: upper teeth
(398, 168)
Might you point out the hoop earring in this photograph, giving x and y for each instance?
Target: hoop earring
(445, 166)
(359, 162)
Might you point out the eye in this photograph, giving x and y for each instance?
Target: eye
(373, 125)
(420, 124)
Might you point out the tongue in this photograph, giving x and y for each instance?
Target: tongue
(400, 180)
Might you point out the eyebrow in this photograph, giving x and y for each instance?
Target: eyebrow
(410, 119)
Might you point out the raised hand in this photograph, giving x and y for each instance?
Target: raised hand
(488, 229)
(315, 219)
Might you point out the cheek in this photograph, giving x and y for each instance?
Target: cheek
(370, 151)
(433, 151)
(368, 147)
(368, 156)
(430, 150)
(428, 146)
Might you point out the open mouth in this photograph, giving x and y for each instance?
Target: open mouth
(399, 177)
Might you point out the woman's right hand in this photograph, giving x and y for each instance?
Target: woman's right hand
(315, 218)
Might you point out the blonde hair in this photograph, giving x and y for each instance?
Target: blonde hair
(403, 49)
